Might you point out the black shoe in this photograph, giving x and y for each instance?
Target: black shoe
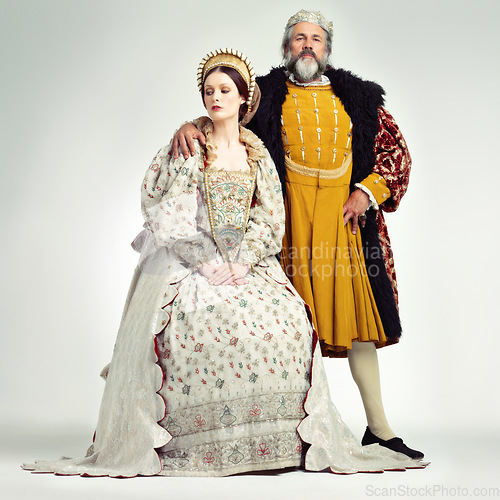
(394, 444)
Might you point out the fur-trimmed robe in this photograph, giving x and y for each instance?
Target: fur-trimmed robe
(377, 147)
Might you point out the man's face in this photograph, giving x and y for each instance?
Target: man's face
(307, 36)
(306, 56)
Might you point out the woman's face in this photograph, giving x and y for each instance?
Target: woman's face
(221, 97)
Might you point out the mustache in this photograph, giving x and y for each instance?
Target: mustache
(307, 52)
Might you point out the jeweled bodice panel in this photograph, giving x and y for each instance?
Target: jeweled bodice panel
(229, 196)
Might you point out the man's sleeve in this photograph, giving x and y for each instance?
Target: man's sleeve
(389, 178)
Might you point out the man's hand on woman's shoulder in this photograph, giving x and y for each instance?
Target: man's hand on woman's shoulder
(183, 141)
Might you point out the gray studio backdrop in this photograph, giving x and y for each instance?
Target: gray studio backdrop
(90, 90)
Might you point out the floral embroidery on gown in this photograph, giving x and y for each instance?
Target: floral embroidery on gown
(216, 380)
(236, 359)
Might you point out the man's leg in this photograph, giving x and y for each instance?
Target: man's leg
(363, 361)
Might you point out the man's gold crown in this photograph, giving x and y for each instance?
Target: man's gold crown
(308, 16)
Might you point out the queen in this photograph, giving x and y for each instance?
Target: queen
(215, 369)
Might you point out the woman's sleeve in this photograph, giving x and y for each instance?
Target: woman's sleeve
(266, 223)
(170, 201)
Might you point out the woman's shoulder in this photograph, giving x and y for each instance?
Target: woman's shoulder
(255, 147)
(248, 137)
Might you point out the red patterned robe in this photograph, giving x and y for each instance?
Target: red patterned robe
(393, 163)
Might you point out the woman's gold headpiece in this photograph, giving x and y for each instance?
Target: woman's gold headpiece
(233, 59)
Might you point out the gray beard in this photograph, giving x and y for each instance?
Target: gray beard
(305, 70)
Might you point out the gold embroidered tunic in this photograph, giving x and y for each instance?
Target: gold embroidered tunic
(322, 257)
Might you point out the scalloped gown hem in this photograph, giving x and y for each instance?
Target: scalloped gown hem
(332, 447)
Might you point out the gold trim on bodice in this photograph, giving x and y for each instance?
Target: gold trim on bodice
(228, 234)
(228, 197)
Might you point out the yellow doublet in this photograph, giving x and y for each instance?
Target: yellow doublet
(316, 129)
(322, 257)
